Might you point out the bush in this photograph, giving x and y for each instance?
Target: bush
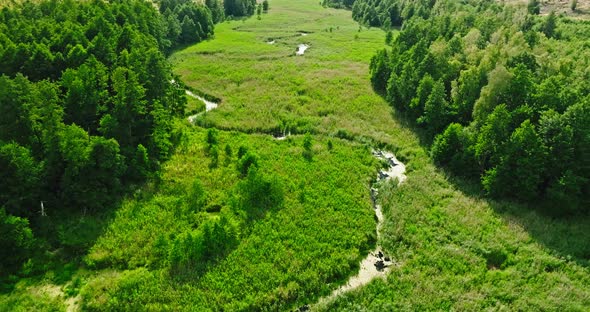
(307, 145)
(16, 241)
(245, 163)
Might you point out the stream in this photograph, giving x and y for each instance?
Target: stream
(208, 105)
(376, 264)
(301, 49)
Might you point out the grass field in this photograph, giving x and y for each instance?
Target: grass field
(266, 88)
(453, 249)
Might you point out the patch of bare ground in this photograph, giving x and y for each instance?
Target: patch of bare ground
(563, 7)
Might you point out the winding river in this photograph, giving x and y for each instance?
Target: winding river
(208, 105)
(376, 264)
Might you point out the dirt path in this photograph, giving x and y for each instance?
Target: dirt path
(376, 264)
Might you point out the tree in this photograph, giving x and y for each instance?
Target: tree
(380, 71)
(93, 168)
(437, 112)
(214, 154)
(188, 30)
(242, 151)
(550, 25)
(249, 160)
(492, 137)
(86, 94)
(228, 154)
(424, 90)
(558, 137)
(452, 148)
(16, 241)
(534, 7)
(161, 130)
(126, 121)
(547, 95)
(20, 179)
(519, 173)
(40, 65)
(197, 197)
(216, 9)
(265, 6)
(520, 87)
(258, 194)
(139, 166)
(212, 137)
(492, 94)
(465, 92)
(15, 123)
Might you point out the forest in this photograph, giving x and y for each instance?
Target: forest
(87, 109)
(501, 94)
(180, 155)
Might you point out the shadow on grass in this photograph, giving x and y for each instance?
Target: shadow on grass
(62, 239)
(566, 236)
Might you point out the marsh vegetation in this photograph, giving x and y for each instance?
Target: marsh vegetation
(112, 200)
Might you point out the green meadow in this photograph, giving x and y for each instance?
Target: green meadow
(268, 88)
(310, 221)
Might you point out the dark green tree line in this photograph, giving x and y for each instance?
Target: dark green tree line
(86, 102)
(494, 110)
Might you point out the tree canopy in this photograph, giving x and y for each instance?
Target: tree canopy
(497, 92)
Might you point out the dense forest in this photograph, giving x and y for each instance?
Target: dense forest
(88, 104)
(501, 93)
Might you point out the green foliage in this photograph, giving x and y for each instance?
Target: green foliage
(265, 5)
(380, 71)
(206, 260)
(192, 253)
(217, 11)
(214, 154)
(237, 8)
(307, 147)
(212, 140)
(478, 253)
(197, 197)
(316, 221)
(242, 151)
(247, 161)
(16, 242)
(523, 157)
(257, 194)
(455, 73)
(228, 151)
(548, 28)
(534, 7)
(437, 112)
(451, 149)
(20, 179)
(87, 107)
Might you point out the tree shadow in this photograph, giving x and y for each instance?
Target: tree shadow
(567, 236)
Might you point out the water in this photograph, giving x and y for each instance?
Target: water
(301, 49)
(376, 264)
(208, 105)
